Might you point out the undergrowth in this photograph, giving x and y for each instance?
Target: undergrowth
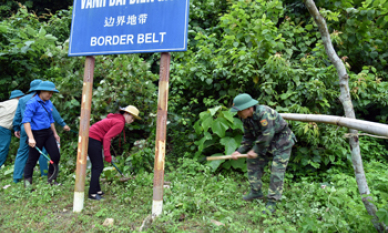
(196, 201)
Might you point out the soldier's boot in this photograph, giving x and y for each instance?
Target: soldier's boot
(253, 195)
(270, 207)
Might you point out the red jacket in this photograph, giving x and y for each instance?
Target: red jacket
(107, 129)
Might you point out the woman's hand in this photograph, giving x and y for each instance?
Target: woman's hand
(56, 136)
(66, 128)
(31, 142)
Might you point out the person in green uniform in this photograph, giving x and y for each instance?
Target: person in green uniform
(267, 136)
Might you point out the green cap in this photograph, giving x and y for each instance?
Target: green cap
(34, 84)
(47, 86)
(16, 93)
(242, 102)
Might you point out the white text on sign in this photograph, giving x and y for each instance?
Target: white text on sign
(141, 38)
(90, 4)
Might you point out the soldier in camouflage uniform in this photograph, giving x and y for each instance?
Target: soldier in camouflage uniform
(267, 135)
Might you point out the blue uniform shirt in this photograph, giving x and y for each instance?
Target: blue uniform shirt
(38, 113)
(17, 120)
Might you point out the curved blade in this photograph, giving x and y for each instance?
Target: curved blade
(55, 173)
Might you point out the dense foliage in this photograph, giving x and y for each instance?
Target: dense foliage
(270, 49)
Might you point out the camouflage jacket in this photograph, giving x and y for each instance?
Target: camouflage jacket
(261, 130)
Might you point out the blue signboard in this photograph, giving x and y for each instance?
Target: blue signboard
(128, 26)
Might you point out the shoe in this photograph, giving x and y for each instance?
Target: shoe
(253, 195)
(270, 207)
(101, 193)
(27, 182)
(95, 197)
(53, 181)
(16, 181)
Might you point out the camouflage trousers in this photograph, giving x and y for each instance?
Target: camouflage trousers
(280, 157)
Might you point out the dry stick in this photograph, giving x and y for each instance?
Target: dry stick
(227, 157)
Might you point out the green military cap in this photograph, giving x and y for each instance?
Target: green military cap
(242, 102)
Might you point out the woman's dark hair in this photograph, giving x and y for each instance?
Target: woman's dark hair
(37, 93)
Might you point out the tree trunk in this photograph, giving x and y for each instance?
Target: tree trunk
(349, 113)
(366, 126)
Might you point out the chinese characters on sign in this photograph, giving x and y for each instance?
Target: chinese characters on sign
(128, 26)
(122, 20)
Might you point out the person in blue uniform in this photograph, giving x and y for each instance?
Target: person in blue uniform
(22, 154)
(39, 125)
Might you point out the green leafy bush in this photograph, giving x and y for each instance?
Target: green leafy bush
(221, 132)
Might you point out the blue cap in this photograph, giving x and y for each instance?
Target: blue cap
(47, 86)
(16, 93)
(34, 84)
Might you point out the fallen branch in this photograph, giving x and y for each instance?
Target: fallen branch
(366, 126)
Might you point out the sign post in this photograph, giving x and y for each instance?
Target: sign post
(83, 137)
(161, 129)
(128, 26)
(104, 27)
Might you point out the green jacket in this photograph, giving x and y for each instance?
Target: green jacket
(262, 132)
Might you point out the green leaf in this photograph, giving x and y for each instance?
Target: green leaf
(50, 37)
(239, 164)
(197, 127)
(374, 54)
(238, 124)
(383, 215)
(14, 84)
(214, 110)
(204, 115)
(228, 116)
(208, 136)
(199, 143)
(3, 29)
(230, 145)
(238, 138)
(219, 128)
(214, 164)
(29, 43)
(75, 103)
(206, 124)
(42, 32)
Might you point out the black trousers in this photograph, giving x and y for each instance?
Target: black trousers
(95, 156)
(44, 138)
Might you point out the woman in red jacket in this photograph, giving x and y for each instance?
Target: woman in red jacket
(101, 133)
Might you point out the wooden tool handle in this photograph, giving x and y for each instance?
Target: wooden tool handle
(225, 157)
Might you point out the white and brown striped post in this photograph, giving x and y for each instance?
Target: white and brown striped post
(83, 138)
(161, 129)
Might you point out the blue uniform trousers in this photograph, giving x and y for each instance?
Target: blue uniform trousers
(22, 156)
(5, 140)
